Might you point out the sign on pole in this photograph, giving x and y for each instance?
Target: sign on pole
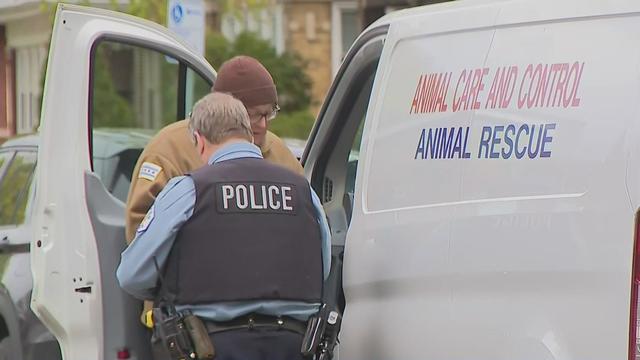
(187, 19)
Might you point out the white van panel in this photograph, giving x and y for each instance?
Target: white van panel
(501, 257)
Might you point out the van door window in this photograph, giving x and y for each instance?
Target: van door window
(196, 88)
(335, 146)
(14, 188)
(135, 91)
(341, 125)
(352, 164)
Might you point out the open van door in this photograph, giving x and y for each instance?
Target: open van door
(331, 164)
(112, 81)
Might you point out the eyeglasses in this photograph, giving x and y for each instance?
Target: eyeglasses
(256, 118)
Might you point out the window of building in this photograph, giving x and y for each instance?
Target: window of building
(29, 71)
(344, 30)
(267, 22)
(15, 185)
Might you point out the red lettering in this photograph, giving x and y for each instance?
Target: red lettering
(480, 74)
(432, 90)
(523, 99)
(443, 93)
(506, 99)
(493, 91)
(416, 97)
(465, 92)
(502, 88)
(560, 86)
(568, 95)
(425, 92)
(435, 106)
(576, 100)
(542, 89)
(434, 96)
(457, 101)
(531, 98)
(473, 89)
(554, 70)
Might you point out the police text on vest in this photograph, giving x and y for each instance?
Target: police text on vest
(262, 197)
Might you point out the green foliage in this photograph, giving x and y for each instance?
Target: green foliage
(154, 10)
(292, 82)
(293, 124)
(109, 108)
(287, 69)
(217, 48)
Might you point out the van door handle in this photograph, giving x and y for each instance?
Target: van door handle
(84, 289)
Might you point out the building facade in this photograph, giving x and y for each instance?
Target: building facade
(319, 31)
(24, 37)
(25, 32)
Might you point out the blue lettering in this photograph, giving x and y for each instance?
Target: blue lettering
(499, 141)
(457, 147)
(432, 143)
(496, 141)
(465, 154)
(519, 154)
(545, 140)
(484, 143)
(435, 150)
(508, 141)
(533, 154)
(445, 142)
(421, 146)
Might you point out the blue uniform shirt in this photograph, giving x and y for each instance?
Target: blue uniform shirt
(155, 236)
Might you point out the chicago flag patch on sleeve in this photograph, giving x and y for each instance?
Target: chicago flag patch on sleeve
(149, 171)
(148, 218)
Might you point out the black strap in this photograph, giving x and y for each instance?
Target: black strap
(255, 321)
(163, 296)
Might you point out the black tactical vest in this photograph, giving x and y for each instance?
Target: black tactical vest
(253, 235)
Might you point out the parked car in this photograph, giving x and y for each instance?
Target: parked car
(22, 334)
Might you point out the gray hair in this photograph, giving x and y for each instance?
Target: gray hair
(218, 116)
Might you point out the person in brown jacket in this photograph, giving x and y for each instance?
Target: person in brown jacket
(172, 152)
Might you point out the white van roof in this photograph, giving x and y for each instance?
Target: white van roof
(506, 12)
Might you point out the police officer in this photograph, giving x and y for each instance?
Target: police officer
(170, 153)
(244, 244)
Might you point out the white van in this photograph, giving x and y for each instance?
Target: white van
(478, 162)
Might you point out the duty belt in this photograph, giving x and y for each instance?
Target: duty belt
(255, 321)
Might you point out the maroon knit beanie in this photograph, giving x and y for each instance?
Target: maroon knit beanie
(247, 80)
